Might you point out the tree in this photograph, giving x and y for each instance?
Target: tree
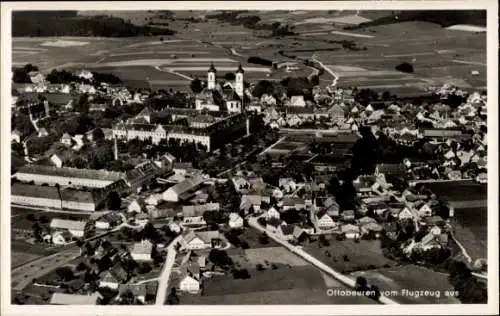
(173, 298)
(196, 85)
(264, 239)
(65, 273)
(260, 267)
(144, 268)
(113, 201)
(81, 267)
(386, 96)
(405, 67)
(376, 292)
(37, 232)
(31, 217)
(211, 217)
(229, 76)
(219, 258)
(97, 134)
(361, 284)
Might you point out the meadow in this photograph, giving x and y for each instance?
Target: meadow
(438, 54)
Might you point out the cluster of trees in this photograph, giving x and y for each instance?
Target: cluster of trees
(470, 290)
(363, 286)
(259, 61)
(67, 77)
(253, 22)
(405, 67)
(49, 24)
(22, 123)
(20, 75)
(234, 238)
(220, 258)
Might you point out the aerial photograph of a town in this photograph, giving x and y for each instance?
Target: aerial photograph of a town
(226, 157)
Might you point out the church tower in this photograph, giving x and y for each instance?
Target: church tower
(238, 86)
(211, 77)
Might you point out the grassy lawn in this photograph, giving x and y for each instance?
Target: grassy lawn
(364, 255)
(268, 280)
(251, 236)
(301, 296)
(20, 258)
(278, 255)
(471, 230)
(412, 278)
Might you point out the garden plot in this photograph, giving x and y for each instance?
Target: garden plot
(278, 255)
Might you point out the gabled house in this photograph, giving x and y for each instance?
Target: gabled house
(371, 228)
(76, 228)
(350, 231)
(293, 203)
(250, 203)
(142, 219)
(425, 210)
(16, 136)
(235, 220)
(139, 291)
(201, 240)
(272, 213)
(61, 237)
(347, 215)
(142, 251)
(406, 213)
(299, 234)
(153, 199)
(137, 206)
(66, 139)
(42, 132)
(109, 280)
(285, 232)
(322, 221)
(366, 220)
(189, 281)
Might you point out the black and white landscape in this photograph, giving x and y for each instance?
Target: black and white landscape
(249, 157)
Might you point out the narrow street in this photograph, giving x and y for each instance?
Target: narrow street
(252, 222)
(166, 271)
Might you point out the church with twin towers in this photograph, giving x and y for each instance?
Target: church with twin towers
(227, 95)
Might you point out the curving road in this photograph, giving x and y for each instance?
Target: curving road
(327, 69)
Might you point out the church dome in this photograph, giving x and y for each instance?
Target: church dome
(212, 68)
(240, 69)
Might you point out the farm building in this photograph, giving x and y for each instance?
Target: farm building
(67, 176)
(34, 195)
(76, 228)
(175, 193)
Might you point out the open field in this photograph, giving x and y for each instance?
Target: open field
(296, 285)
(22, 276)
(277, 297)
(277, 255)
(459, 191)
(411, 278)
(438, 54)
(471, 230)
(20, 258)
(364, 255)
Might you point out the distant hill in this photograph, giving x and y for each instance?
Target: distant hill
(444, 18)
(68, 23)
